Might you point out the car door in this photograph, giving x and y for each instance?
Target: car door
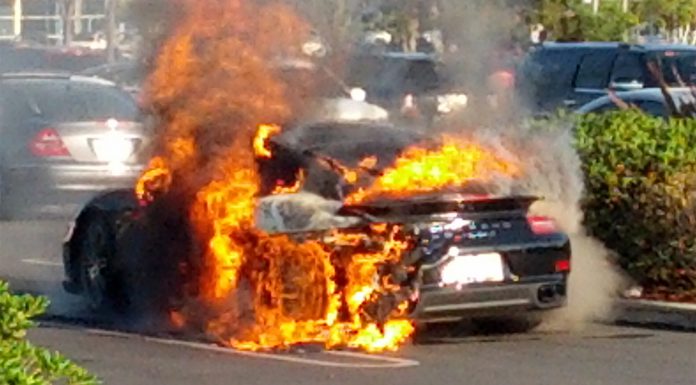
(592, 77)
(629, 72)
(545, 78)
(653, 108)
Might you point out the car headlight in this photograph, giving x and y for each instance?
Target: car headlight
(451, 102)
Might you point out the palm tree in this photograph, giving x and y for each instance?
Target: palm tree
(67, 8)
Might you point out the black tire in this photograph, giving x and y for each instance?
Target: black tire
(508, 325)
(99, 278)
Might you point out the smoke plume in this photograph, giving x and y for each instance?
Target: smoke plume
(487, 36)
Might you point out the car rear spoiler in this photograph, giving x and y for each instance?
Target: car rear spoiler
(446, 204)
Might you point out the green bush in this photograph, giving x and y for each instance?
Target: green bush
(640, 176)
(21, 363)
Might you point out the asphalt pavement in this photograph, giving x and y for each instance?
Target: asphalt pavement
(598, 354)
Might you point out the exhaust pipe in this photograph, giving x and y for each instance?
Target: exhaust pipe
(546, 294)
(551, 293)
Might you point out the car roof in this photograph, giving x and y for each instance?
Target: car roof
(646, 94)
(302, 137)
(651, 47)
(55, 75)
(409, 55)
(109, 66)
(397, 55)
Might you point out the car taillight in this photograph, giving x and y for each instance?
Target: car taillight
(542, 225)
(562, 265)
(48, 144)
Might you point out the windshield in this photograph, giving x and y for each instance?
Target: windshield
(394, 77)
(65, 101)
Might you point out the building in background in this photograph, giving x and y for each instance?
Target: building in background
(46, 21)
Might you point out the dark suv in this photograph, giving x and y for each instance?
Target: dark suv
(388, 77)
(572, 74)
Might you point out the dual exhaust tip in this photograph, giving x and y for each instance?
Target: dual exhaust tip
(551, 293)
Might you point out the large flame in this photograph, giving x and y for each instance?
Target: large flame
(212, 87)
(264, 133)
(452, 164)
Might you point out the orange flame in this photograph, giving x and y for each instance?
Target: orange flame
(177, 319)
(453, 164)
(369, 162)
(213, 89)
(297, 186)
(156, 178)
(265, 132)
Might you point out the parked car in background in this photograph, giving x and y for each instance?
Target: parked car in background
(127, 74)
(399, 81)
(572, 74)
(650, 100)
(64, 138)
(29, 57)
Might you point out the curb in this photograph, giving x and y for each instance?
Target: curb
(669, 315)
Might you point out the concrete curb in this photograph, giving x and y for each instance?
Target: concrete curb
(670, 315)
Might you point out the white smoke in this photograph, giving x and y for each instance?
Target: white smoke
(551, 170)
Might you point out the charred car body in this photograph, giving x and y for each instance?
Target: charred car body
(469, 255)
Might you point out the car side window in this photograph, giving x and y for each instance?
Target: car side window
(628, 68)
(594, 70)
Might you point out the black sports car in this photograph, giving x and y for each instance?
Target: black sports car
(470, 255)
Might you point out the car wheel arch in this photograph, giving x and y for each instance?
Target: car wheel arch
(108, 204)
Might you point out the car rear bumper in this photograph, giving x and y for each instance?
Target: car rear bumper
(62, 189)
(441, 304)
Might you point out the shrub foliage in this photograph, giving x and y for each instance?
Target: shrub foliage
(22, 363)
(640, 201)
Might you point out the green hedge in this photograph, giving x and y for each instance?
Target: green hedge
(640, 177)
(21, 363)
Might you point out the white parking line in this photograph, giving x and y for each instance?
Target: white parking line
(377, 361)
(381, 362)
(42, 262)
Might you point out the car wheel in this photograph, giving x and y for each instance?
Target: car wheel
(507, 325)
(96, 252)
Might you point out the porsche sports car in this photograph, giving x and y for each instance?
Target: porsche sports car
(471, 256)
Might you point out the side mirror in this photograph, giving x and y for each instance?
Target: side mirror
(626, 85)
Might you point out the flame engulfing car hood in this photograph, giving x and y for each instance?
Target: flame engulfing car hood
(307, 212)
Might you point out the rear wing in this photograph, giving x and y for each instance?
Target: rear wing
(448, 204)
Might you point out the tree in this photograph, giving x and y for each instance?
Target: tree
(67, 8)
(573, 20)
(337, 21)
(675, 17)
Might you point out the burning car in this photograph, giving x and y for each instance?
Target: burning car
(424, 257)
(266, 220)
